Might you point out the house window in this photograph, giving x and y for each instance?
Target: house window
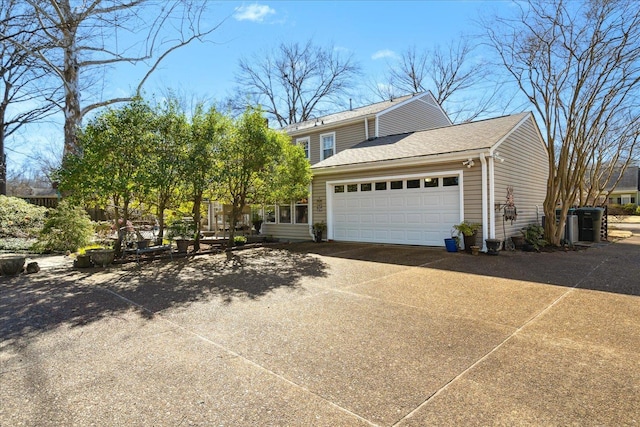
(413, 183)
(450, 181)
(338, 189)
(381, 186)
(396, 185)
(304, 143)
(430, 182)
(352, 188)
(270, 214)
(302, 212)
(284, 214)
(365, 187)
(327, 145)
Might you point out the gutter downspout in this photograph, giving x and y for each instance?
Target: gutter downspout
(492, 199)
(485, 213)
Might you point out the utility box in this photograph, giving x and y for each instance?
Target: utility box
(589, 224)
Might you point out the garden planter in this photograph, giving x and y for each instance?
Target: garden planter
(83, 261)
(12, 264)
(451, 245)
(493, 246)
(518, 241)
(469, 241)
(143, 244)
(102, 257)
(317, 236)
(475, 250)
(183, 245)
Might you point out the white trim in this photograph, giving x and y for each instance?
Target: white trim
(394, 163)
(484, 199)
(333, 134)
(306, 139)
(401, 104)
(330, 184)
(310, 213)
(366, 128)
(492, 199)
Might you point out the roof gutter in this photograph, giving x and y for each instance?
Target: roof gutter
(411, 161)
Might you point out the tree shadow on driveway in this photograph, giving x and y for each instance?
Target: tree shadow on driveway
(610, 267)
(32, 304)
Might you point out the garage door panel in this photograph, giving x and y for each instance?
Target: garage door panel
(381, 202)
(422, 216)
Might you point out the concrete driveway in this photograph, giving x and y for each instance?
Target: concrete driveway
(328, 335)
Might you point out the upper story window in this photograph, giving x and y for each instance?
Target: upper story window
(327, 145)
(305, 144)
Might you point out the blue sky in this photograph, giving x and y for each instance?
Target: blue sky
(373, 31)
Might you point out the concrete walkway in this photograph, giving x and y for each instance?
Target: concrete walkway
(328, 335)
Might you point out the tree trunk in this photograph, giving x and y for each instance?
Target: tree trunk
(197, 202)
(72, 112)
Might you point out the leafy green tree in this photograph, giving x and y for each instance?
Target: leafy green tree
(67, 228)
(258, 164)
(164, 174)
(115, 148)
(209, 131)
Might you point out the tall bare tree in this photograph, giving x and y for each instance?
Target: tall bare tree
(92, 35)
(25, 95)
(458, 81)
(578, 63)
(296, 81)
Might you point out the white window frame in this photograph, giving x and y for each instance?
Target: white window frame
(295, 212)
(305, 142)
(322, 136)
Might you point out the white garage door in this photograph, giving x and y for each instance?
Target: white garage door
(415, 211)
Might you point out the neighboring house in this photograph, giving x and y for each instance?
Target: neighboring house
(41, 196)
(628, 189)
(400, 172)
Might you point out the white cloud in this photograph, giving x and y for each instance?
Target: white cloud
(254, 12)
(385, 53)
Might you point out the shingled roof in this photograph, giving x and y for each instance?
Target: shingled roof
(482, 134)
(367, 110)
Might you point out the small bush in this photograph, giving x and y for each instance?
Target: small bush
(239, 240)
(629, 208)
(67, 229)
(19, 219)
(638, 210)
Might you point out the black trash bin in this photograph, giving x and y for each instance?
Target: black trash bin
(589, 224)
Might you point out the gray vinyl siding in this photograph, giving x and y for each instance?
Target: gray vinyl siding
(525, 169)
(420, 114)
(345, 137)
(294, 232)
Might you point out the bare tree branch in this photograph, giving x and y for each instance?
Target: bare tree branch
(578, 63)
(296, 81)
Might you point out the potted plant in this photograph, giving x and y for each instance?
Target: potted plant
(318, 229)
(533, 237)
(182, 231)
(468, 231)
(239, 240)
(257, 222)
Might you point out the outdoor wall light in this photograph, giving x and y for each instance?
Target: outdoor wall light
(319, 205)
(496, 156)
(468, 163)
